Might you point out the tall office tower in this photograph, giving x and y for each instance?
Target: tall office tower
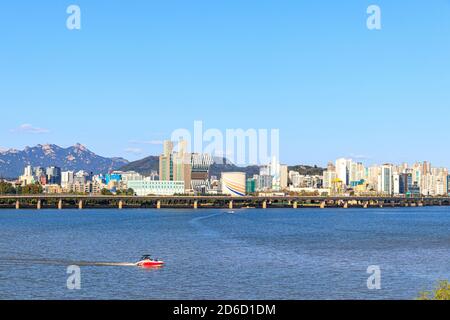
(283, 176)
(182, 171)
(54, 175)
(406, 183)
(166, 163)
(385, 181)
(183, 165)
(167, 147)
(180, 165)
(342, 170)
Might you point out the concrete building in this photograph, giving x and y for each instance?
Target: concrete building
(200, 166)
(284, 180)
(264, 183)
(67, 177)
(53, 175)
(342, 170)
(147, 187)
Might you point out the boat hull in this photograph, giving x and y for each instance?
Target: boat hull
(150, 264)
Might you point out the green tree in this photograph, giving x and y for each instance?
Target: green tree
(441, 292)
(31, 189)
(106, 192)
(6, 188)
(128, 192)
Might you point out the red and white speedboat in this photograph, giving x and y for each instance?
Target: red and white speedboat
(147, 262)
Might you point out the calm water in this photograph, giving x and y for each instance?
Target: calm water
(253, 254)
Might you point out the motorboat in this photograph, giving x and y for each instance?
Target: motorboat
(147, 262)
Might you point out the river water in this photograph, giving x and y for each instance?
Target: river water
(213, 254)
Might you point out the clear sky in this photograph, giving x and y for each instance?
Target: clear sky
(137, 70)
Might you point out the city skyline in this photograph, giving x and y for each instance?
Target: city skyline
(180, 172)
(133, 74)
(160, 149)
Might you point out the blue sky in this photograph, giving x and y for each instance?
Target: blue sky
(137, 70)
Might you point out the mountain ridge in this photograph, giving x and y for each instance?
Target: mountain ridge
(76, 157)
(79, 157)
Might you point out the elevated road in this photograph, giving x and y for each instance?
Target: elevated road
(61, 201)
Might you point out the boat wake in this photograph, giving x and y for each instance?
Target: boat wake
(6, 261)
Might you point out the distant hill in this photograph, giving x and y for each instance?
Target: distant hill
(224, 165)
(307, 170)
(147, 165)
(77, 157)
(144, 166)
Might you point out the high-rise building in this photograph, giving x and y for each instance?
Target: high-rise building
(67, 178)
(396, 184)
(53, 175)
(329, 176)
(342, 171)
(385, 181)
(284, 176)
(264, 182)
(166, 163)
(192, 168)
(406, 183)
